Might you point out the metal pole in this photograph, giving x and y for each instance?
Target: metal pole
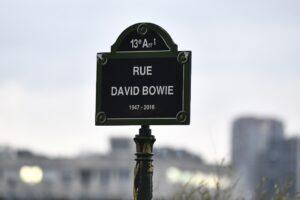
(143, 171)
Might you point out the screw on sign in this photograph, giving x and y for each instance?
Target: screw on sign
(144, 80)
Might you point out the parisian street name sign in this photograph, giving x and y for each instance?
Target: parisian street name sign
(144, 80)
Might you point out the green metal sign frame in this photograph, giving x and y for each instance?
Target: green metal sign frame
(169, 51)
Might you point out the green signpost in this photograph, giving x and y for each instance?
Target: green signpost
(144, 80)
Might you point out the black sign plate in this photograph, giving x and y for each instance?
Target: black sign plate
(147, 82)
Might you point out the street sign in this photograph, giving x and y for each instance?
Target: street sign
(144, 80)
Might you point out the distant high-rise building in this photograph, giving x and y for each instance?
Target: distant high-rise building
(250, 137)
(279, 165)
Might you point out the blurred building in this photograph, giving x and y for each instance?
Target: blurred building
(262, 158)
(279, 166)
(29, 176)
(25, 175)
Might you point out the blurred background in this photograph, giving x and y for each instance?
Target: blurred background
(245, 98)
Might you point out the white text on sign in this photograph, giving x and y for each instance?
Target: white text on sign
(152, 90)
(142, 43)
(144, 90)
(142, 70)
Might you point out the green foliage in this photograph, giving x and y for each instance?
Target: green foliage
(202, 193)
(218, 193)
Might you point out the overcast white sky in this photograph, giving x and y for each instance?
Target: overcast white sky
(245, 61)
